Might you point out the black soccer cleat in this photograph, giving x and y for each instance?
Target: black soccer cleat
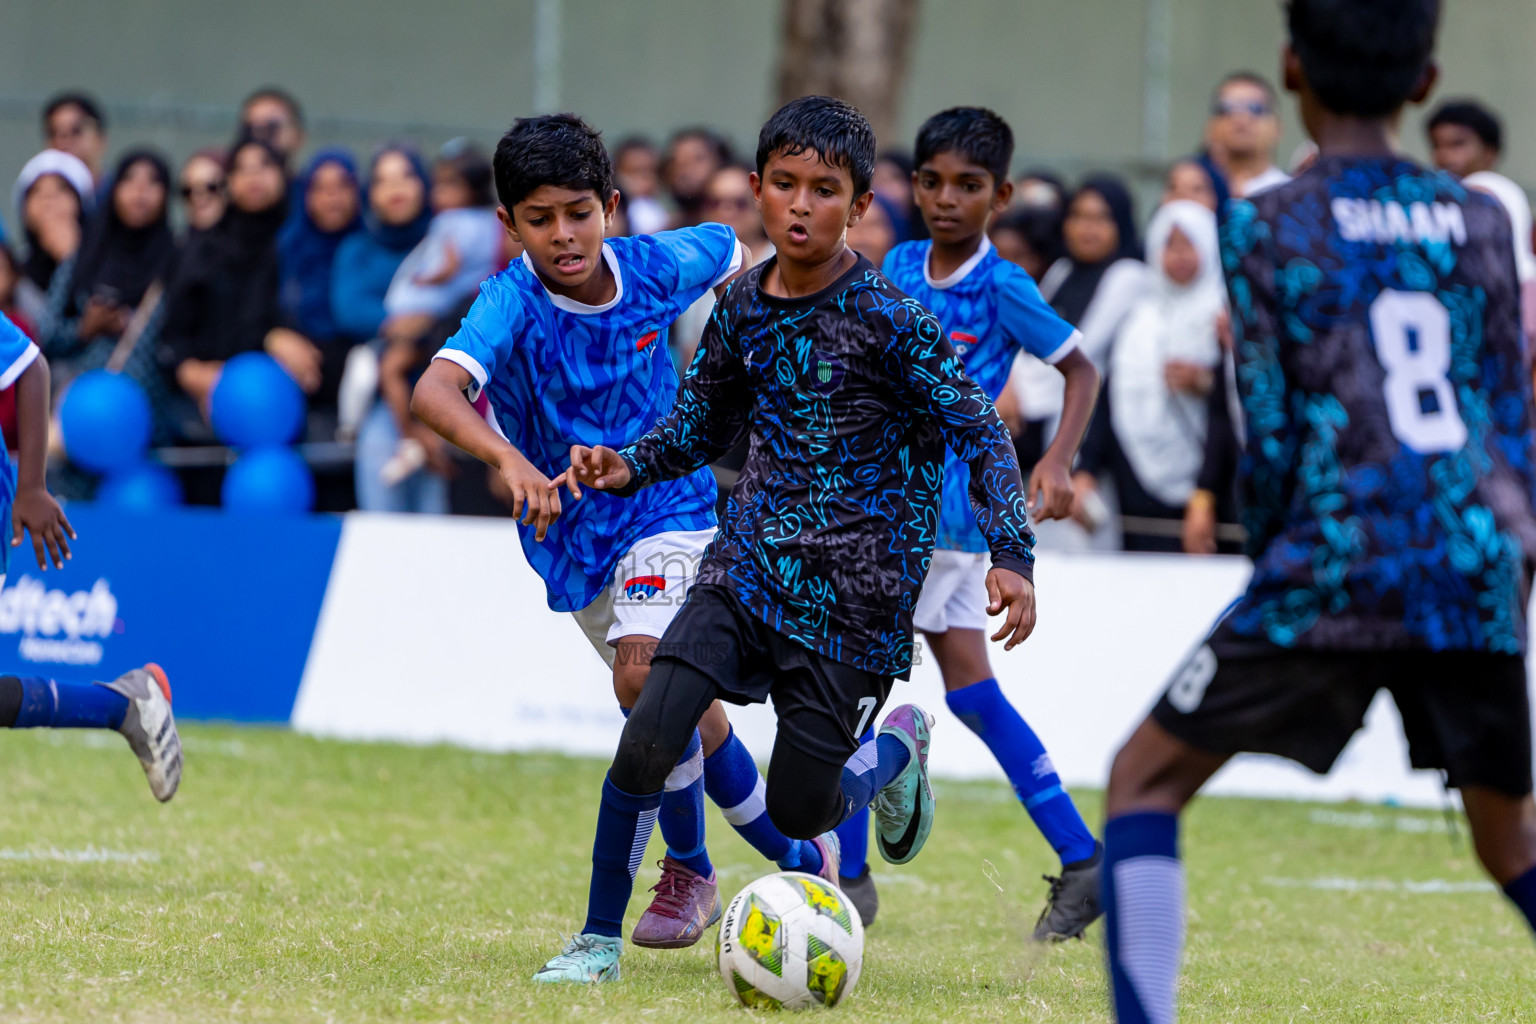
(1073, 902)
(861, 893)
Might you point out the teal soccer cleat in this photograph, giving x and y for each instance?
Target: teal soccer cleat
(904, 807)
(587, 958)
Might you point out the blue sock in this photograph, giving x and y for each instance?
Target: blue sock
(1522, 892)
(990, 715)
(45, 703)
(870, 769)
(624, 823)
(736, 786)
(1143, 899)
(682, 811)
(853, 834)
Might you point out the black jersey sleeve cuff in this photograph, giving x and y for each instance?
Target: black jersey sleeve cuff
(635, 477)
(1023, 567)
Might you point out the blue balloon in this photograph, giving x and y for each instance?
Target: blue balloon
(106, 421)
(255, 403)
(147, 487)
(269, 481)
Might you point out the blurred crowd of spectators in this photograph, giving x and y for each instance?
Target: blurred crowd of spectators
(350, 273)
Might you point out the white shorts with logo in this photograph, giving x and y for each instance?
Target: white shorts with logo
(954, 595)
(649, 585)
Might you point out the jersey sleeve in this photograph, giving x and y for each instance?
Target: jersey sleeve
(1251, 262)
(1029, 322)
(709, 416)
(933, 378)
(17, 352)
(702, 256)
(486, 337)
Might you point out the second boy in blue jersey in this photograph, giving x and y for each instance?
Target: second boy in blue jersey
(569, 344)
(991, 311)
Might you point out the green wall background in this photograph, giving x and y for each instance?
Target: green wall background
(1072, 76)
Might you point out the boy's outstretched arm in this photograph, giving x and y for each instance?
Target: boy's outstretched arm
(1052, 475)
(934, 378)
(439, 402)
(34, 509)
(711, 413)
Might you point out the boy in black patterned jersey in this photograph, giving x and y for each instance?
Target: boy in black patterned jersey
(849, 392)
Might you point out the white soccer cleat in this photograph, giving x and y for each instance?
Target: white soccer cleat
(150, 727)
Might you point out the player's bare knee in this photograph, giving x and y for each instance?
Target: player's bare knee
(628, 681)
(714, 728)
(1503, 832)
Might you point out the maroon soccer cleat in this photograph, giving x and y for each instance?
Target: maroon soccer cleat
(686, 903)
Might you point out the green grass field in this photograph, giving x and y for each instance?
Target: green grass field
(302, 880)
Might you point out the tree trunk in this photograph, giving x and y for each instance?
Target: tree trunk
(855, 50)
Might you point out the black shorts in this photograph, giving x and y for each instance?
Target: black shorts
(823, 705)
(1466, 713)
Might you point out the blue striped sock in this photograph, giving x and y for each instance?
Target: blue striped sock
(736, 786)
(870, 768)
(682, 811)
(853, 833)
(1143, 899)
(989, 714)
(624, 823)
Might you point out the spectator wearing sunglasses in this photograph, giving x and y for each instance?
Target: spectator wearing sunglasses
(73, 123)
(1242, 132)
(202, 190)
(273, 116)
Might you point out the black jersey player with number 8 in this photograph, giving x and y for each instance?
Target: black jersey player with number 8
(1389, 479)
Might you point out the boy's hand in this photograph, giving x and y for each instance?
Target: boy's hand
(534, 499)
(599, 468)
(36, 512)
(1052, 481)
(1007, 589)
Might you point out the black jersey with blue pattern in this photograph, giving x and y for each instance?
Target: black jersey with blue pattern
(849, 397)
(1388, 465)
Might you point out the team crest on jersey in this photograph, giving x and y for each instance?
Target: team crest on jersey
(826, 372)
(638, 588)
(647, 338)
(963, 341)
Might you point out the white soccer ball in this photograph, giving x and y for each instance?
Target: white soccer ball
(790, 941)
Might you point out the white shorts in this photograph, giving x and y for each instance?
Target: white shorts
(954, 595)
(649, 584)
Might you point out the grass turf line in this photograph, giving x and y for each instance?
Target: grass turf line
(294, 879)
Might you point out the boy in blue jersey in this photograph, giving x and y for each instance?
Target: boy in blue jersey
(848, 391)
(569, 344)
(1390, 491)
(137, 703)
(991, 311)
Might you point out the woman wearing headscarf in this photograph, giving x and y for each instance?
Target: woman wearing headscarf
(330, 194)
(396, 220)
(128, 247)
(222, 299)
(52, 196)
(1092, 287)
(326, 210)
(1149, 434)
